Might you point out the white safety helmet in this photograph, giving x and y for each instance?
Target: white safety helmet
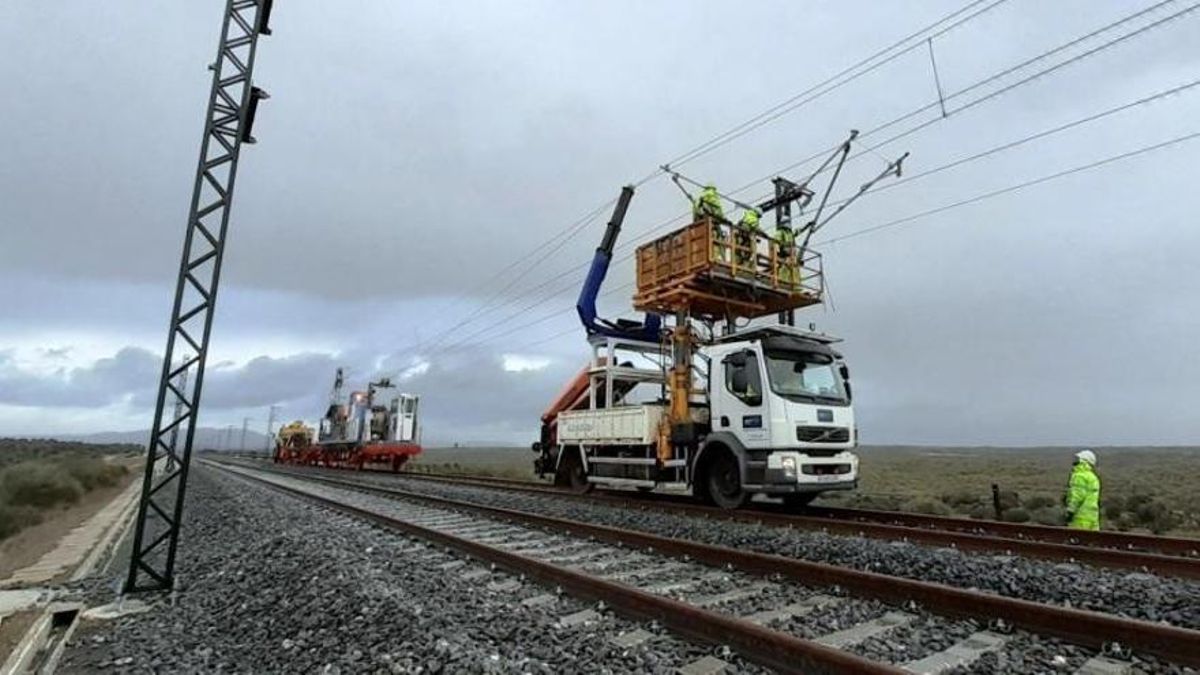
(1086, 456)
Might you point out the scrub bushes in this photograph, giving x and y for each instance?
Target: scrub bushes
(32, 486)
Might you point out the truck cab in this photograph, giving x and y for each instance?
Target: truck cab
(780, 404)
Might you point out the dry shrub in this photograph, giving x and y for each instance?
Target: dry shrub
(962, 498)
(92, 472)
(16, 518)
(1015, 515)
(1040, 501)
(40, 485)
(927, 506)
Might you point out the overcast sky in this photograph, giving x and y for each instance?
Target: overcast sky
(411, 151)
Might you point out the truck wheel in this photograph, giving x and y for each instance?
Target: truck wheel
(573, 475)
(724, 482)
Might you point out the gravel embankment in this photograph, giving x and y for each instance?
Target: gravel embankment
(269, 583)
(1133, 594)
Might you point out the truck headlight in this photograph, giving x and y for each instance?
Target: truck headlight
(789, 466)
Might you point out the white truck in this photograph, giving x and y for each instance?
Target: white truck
(762, 411)
(771, 408)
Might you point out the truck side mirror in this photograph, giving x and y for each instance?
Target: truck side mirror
(737, 359)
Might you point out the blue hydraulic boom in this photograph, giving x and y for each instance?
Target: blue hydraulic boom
(648, 330)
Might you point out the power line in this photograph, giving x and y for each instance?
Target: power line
(1039, 135)
(909, 115)
(993, 78)
(486, 306)
(916, 216)
(811, 94)
(949, 165)
(722, 139)
(1012, 188)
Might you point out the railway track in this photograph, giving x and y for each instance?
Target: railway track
(700, 590)
(1172, 556)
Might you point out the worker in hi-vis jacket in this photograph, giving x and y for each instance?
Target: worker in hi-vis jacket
(1083, 493)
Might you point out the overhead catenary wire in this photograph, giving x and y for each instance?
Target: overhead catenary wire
(1112, 159)
(909, 115)
(1013, 188)
(791, 104)
(832, 83)
(994, 78)
(1144, 100)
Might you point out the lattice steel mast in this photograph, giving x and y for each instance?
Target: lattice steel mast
(231, 108)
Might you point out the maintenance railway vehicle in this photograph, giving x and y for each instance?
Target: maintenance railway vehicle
(365, 431)
(668, 404)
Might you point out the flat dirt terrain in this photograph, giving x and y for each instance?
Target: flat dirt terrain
(1144, 489)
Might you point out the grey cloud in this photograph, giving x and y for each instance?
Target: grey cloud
(412, 150)
(127, 373)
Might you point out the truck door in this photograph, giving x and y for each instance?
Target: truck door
(740, 401)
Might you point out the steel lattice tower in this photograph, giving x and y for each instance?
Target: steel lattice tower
(227, 124)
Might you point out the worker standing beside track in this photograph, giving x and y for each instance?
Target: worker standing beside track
(1083, 493)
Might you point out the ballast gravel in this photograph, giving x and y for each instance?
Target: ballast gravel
(1132, 594)
(268, 583)
(925, 635)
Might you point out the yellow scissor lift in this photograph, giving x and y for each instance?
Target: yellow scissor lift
(713, 270)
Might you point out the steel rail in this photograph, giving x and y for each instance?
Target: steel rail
(773, 649)
(1177, 546)
(1104, 549)
(1083, 627)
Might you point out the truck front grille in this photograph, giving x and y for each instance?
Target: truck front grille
(825, 469)
(823, 434)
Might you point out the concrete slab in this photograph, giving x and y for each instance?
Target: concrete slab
(473, 530)
(115, 610)
(510, 537)
(506, 586)
(801, 608)
(545, 546)
(665, 587)
(540, 600)
(15, 601)
(578, 556)
(856, 634)
(601, 565)
(632, 639)
(730, 596)
(578, 618)
(709, 665)
(646, 571)
(958, 655)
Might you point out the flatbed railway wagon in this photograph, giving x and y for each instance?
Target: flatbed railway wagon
(368, 430)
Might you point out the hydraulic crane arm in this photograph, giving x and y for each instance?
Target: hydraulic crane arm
(648, 330)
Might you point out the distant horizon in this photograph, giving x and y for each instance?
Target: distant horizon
(256, 438)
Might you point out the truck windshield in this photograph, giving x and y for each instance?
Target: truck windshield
(805, 376)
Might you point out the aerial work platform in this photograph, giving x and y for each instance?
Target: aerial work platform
(716, 269)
